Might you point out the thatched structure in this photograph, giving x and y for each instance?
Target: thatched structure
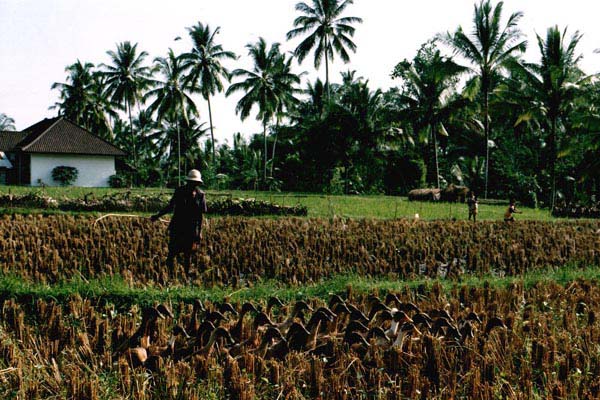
(453, 193)
(424, 195)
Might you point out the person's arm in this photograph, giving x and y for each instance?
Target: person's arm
(168, 209)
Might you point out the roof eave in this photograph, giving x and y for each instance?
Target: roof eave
(72, 153)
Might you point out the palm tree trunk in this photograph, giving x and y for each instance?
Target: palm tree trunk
(435, 155)
(274, 145)
(212, 133)
(486, 124)
(265, 153)
(132, 141)
(178, 153)
(327, 74)
(553, 161)
(346, 176)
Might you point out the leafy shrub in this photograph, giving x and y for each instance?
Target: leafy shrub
(64, 175)
(117, 181)
(403, 174)
(336, 184)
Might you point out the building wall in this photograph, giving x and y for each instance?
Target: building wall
(94, 171)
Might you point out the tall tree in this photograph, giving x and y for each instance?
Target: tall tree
(75, 93)
(429, 83)
(285, 87)
(149, 154)
(550, 87)
(263, 86)
(328, 32)
(83, 100)
(183, 133)
(171, 98)
(205, 71)
(126, 80)
(316, 95)
(6, 123)
(489, 47)
(358, 115)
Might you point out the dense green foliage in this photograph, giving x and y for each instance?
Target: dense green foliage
(468, 109)
(65, 175)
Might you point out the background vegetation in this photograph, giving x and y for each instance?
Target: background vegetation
(467, 109)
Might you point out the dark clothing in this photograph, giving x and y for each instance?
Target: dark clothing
(188, 205)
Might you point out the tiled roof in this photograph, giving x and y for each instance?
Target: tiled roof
(9, 139)
(59, 135)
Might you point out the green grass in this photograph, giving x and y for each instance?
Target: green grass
(117, 291)
(380, 206)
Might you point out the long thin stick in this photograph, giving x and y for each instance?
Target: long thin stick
(126, 216)
(117, 215)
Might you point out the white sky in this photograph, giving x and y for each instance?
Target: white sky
(39, 38)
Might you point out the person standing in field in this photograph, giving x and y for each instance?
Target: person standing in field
(509, 215)
(473, 205)
(188, 206)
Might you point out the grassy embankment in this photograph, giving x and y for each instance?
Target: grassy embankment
(117, 291)
(378, 206)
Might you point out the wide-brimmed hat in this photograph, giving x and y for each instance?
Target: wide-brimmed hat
(194, 176)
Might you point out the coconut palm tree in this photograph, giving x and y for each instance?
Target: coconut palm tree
(328, 32)
(285, 88)
(101, 109)
(75, 95)
(171, 96)
(149, 155)
(193, 132)
(316, 95)
(429, 85)
(265, 86)
(83, 99)
(126, 80)
(204, 68)
(547, 89)
(6, 123)
(489, 48)
(183, 132)
(246, 163)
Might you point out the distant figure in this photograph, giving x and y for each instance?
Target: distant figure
(509, 214)
(473, 205)
(188, 205)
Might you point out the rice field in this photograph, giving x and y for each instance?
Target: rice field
(424, 342)
(324, 307)
(239, 251)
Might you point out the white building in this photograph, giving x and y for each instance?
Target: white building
(28, 157)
